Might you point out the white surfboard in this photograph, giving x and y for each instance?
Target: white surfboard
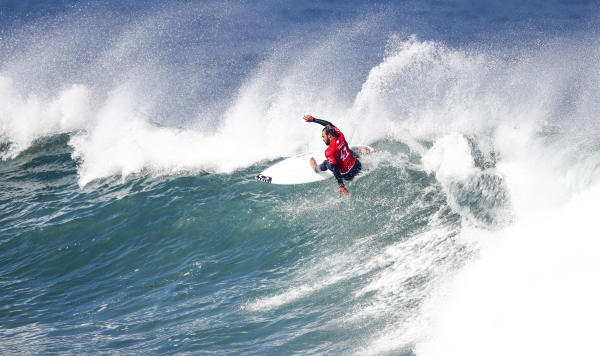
(297, 169)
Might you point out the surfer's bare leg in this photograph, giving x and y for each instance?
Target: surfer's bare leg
(313, 164)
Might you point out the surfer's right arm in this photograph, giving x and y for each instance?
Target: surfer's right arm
(336, 173)
(333, 164)
(310, 118)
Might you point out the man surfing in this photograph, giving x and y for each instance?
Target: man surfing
(339, 158)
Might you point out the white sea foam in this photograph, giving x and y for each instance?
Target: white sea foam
(532, 291)
(26, 117)
(450, 159)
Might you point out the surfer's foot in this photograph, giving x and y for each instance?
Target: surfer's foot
(313, 163)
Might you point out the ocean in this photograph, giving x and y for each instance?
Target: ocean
(131, 221)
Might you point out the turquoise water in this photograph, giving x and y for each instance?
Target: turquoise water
(216, 263)
(131, 222)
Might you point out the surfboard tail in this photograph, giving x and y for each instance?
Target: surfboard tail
(264, 178)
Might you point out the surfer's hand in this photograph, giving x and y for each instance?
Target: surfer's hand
(308, 118)
(344, 191)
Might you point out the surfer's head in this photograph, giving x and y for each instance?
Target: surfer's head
(328, 134)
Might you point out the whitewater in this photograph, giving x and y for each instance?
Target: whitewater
(130, 220)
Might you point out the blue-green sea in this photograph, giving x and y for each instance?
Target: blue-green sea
(131, 222)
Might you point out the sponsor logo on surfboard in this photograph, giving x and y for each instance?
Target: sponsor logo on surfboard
(265, 179)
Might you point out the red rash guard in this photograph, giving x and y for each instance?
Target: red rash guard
(339, 156)
(339, 153)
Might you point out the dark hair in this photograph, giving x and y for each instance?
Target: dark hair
(330, 130)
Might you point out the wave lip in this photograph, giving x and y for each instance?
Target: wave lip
(23, 119)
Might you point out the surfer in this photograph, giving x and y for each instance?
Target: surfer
(339, 158)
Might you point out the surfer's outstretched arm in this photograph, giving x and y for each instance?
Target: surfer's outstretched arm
(323, 122)
(310, 118)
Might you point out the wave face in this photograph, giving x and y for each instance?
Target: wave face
(130, 221)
